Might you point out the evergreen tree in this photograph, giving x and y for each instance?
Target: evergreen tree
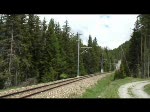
(96, 55)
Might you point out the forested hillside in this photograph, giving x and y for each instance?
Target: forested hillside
(35, 51)
(135, 54)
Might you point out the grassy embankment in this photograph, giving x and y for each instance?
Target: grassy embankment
(108, 87)
(147, 89)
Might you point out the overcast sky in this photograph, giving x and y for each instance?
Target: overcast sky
(110, 30)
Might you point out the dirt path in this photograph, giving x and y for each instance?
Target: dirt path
(133, 90)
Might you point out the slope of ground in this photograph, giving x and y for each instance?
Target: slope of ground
(147, 89)
(108, 88)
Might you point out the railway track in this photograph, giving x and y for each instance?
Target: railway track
(37, 90)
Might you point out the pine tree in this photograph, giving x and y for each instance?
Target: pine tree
(13, 48)
(134, 53)
(52, 51)
(144, 21)
(32, 46)
(96, 55)
(43, 56)
(3, 52)
(89, 57)
(67, 48)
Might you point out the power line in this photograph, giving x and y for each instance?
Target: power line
(78, 71)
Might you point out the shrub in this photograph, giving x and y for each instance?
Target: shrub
(64, 76)
(47, 77)
(51, 75)
(29, 81)
(118, 75)
(2, 81)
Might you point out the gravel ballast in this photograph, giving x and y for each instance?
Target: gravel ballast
(5, 92)
(73, 90)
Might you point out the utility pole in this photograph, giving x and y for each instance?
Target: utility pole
(102, 70)
(78, 54)
(110, 66)
(78, 71)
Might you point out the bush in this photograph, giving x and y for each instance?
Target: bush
(51, 75)
(2, 81)
(63, 76)
(83, 72)
(47, 77)
(30, 81)
(118, 75)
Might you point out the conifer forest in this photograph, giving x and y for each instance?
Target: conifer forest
(34, 51)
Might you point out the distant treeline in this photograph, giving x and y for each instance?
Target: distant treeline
(135, 53)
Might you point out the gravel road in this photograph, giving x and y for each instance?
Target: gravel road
(133, 90)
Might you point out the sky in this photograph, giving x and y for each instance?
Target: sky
(110, 30)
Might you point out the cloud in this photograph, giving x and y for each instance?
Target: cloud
(104, 17)
(108, 16)
(106, 26)
(110, 30)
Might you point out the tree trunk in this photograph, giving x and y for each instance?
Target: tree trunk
(16, 80)
(10, 59)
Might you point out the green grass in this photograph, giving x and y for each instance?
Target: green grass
(147, 89)
(1, 90)
(107, 87)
